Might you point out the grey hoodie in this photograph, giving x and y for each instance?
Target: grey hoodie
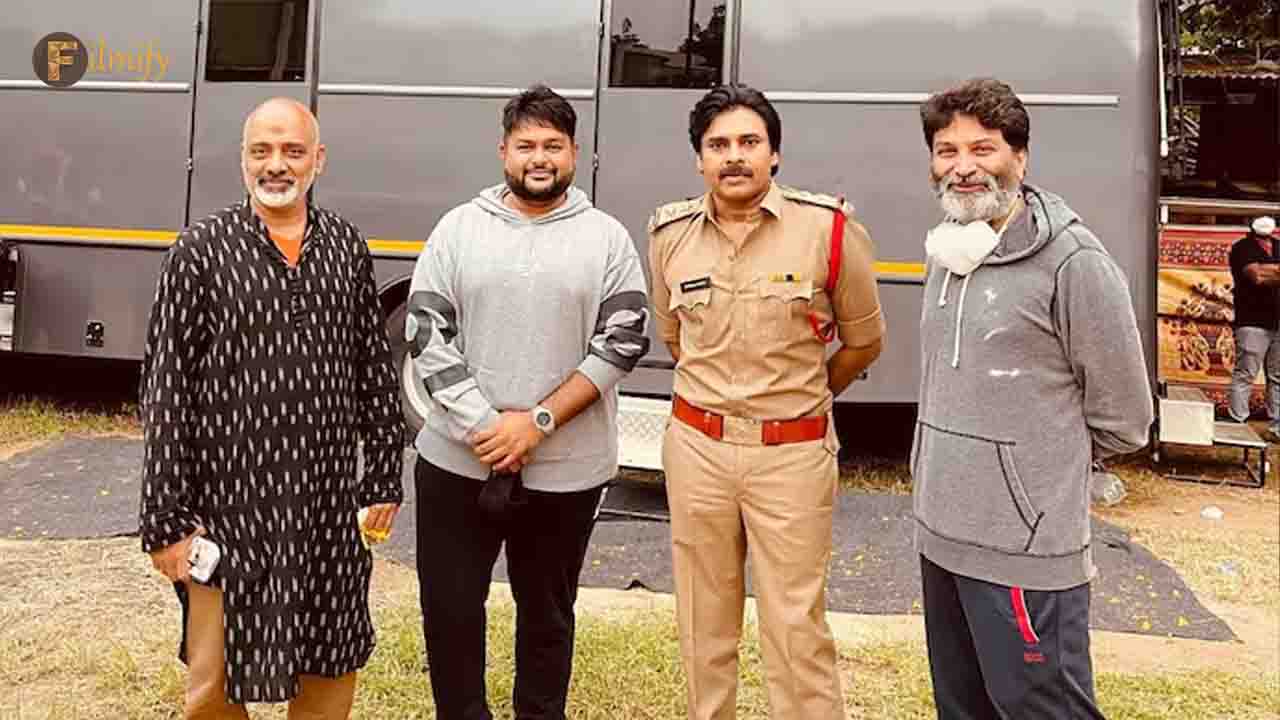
(1032, 367)
(503, 309)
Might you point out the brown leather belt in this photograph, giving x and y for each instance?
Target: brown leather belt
(745, 431)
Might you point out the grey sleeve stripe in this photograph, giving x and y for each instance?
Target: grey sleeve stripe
(636, 344)
(447, 378)
(632, 300)
(431, 311)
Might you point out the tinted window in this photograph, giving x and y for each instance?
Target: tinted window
(257, 41)
(667, 43)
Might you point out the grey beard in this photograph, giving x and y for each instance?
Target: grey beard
(988, 205)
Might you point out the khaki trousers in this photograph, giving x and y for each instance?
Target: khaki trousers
(777, 501)
(318, 698)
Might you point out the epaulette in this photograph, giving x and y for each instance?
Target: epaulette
(820, 199)
(671, 212)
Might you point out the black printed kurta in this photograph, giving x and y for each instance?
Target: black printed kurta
(258, 380)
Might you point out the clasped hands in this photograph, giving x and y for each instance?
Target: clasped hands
(507, 444)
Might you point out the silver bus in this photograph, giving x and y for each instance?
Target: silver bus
(98, 177)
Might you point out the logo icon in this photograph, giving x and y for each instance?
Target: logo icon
(60, 59)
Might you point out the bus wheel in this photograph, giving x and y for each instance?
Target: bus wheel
(413, 400)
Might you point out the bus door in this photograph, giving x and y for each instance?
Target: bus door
(250, 50)
(658, 58)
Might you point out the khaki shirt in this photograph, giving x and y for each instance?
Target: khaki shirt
(741, 314)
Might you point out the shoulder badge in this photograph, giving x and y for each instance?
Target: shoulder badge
(820, 199)
(671, 212)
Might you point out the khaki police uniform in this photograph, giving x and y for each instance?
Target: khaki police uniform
(750, 456)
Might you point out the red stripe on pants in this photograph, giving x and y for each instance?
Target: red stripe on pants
(1024, 619)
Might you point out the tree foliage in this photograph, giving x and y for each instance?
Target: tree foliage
(1232, 28)
(708, 42)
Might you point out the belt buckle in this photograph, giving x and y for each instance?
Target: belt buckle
(743, 431)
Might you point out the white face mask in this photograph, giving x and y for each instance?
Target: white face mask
(962, 248)
(1264, 226)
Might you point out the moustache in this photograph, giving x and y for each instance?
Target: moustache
(264, 179)
(736, 171)
(989, 182)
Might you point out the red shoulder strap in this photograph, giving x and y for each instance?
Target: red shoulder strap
(827, 334)
(837, 249)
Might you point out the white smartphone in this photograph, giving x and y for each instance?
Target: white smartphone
(204, 558)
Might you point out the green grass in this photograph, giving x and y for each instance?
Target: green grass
(1218, 695)
(102, 648)
(629, 668)
(622, 668)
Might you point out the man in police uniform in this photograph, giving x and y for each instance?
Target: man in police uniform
(748, 288)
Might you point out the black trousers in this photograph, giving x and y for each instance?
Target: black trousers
(1005, 653)
(546, 541)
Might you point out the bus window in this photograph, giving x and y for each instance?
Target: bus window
(257, 41)
(667, 43)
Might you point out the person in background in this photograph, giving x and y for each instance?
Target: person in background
(1255, 277)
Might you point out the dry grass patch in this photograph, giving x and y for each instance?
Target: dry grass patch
(1231, 566)
(26, 422)
(86, 631)
(1232, 560)
(871, 473)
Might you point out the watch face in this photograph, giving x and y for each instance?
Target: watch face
(543, 419)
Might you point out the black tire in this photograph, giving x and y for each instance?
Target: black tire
(411, 409)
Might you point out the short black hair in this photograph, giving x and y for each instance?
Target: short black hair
(992, 102)
(725, 98)
(539, 105)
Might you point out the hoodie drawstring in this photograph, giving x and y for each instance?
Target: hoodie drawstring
(942, 302)
(964, 288)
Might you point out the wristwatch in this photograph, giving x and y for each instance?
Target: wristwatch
(544, 420)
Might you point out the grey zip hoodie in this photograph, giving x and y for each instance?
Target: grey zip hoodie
(1032, 367)
(503, 309)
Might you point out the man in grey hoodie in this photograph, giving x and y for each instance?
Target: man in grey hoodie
(527, 307)
(1032, 368)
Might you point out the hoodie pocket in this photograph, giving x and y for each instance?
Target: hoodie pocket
(969, 490)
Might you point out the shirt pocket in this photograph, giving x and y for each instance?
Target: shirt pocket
(782, 307)
(692, 308)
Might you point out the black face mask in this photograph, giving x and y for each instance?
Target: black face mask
(502, 495)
